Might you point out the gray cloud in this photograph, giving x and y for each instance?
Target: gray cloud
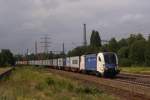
(24, 21)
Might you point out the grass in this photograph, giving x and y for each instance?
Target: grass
(30, 83)
(136, 69)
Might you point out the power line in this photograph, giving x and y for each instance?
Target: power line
(105, 41)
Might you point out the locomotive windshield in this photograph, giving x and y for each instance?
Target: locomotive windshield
(110, 58)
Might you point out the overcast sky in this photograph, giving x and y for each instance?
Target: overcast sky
(22, 22)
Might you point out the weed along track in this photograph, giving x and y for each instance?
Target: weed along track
(125, 90)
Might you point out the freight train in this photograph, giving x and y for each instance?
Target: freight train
(100, 64)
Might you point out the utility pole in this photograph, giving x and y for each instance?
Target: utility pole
(84, 35)
(63, 48)
(36, 48)
(36, 56)
(27, 58)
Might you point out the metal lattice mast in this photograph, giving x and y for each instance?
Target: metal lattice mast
(45, 43)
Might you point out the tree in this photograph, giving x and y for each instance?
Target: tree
(105, 48)
(133, 38)
(92, 49)
(140, 37)
(95, 39)
(1, 59)
(113, 45)
(147, 53)
(123, 52)
(78, 51)
(7, 57)
(122, 43)
(137, 50)
(149, 39)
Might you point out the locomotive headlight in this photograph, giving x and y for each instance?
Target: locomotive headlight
(105, 68)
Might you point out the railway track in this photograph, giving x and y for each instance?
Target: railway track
(126, 88)
(135, 75)
(143, 80)
(6, 73)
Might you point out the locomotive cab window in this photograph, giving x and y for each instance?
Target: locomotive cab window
(110, 58)
(99, 58)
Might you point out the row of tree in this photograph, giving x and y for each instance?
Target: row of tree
(134, 50)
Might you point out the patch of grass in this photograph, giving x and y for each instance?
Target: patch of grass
(87, 90)
(136, 69)
(30, 83)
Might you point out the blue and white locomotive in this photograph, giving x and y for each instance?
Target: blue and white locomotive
(104, 64)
